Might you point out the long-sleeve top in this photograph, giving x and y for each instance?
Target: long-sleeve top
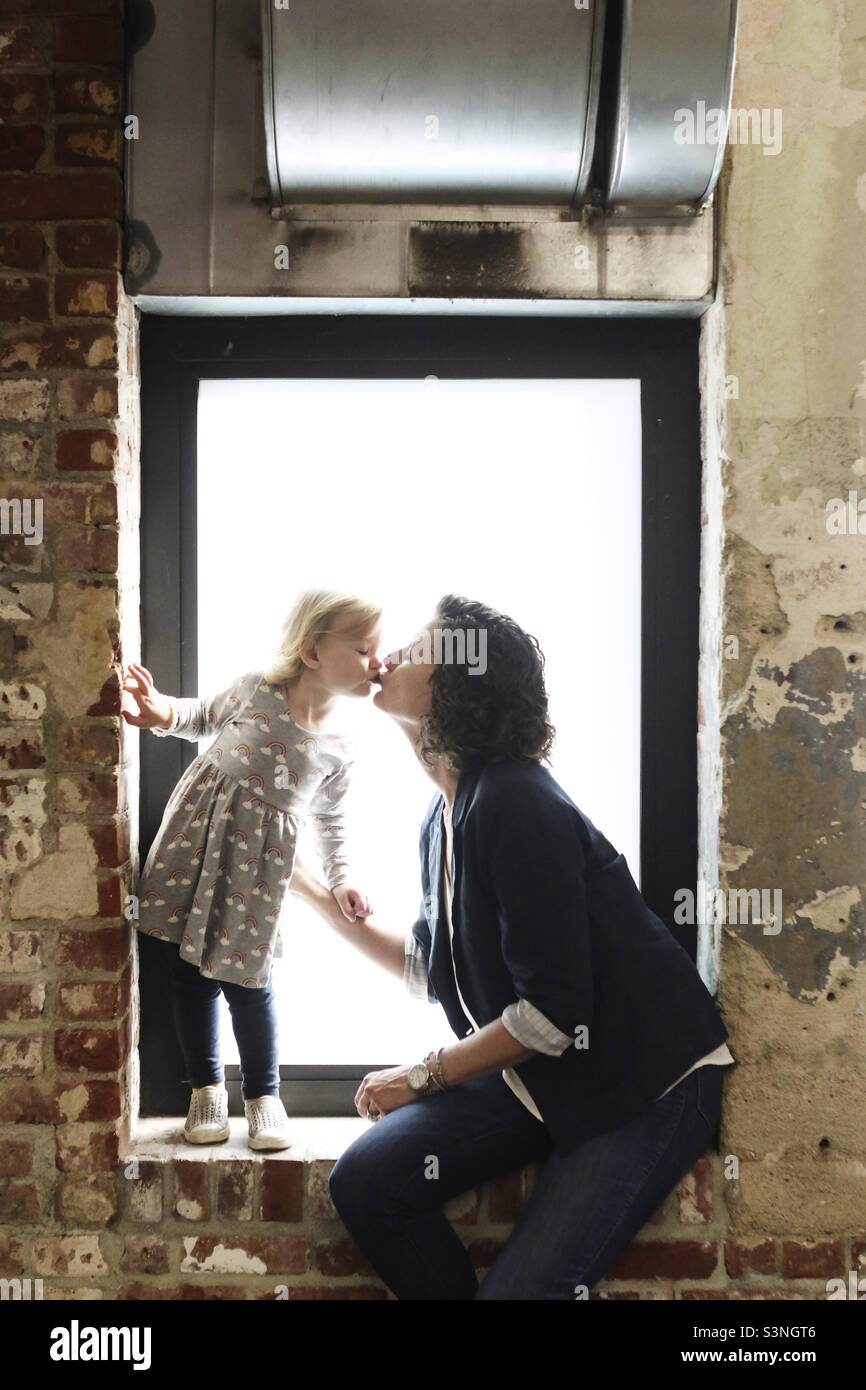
(220, 865)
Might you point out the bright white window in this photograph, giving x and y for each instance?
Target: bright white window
(524, 494)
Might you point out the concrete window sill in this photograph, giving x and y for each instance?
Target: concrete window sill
(160, 1139)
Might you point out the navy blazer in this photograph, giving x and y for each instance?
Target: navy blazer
(545, 909)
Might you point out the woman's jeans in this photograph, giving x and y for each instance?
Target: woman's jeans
(195, 1001)
(586, 1206)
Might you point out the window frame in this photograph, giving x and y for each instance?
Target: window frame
(178, 352)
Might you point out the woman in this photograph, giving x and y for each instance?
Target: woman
(586, 1036)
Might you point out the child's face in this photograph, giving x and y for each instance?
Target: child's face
(349, 665)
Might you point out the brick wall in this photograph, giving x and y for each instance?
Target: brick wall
(75, 1209)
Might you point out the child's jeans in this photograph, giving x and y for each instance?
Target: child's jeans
(195, 1000)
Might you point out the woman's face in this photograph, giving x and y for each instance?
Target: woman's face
(405, 681)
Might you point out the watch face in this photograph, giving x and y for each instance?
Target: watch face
(418, 1076)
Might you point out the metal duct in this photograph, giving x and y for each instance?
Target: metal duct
(675, 54)
(431, 101)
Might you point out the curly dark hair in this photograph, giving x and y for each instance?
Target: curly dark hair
(497, 715)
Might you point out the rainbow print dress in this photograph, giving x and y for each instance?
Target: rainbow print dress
(219, 868)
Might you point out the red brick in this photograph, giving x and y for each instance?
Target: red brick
(86, 551)
(318, 1293)
(24, 96)
(182, 1293)
(21, 146)
(28, 1103)
(19, 1202)
(340, 1259)
(235, 1191)
(86, 1149)
(93, 294)
(97, 193)
(657, 1259)
(12, 1256)
(102, 1099)
(86, 1201)
(21, 245)
(24, 45)
(99, 790)
(86, 143)
(20, 952)
(282, 1189)
(93, 1049)
(191, 1200)
(21, 1002)
(88, 90)
(704, 1295)
(99, 1000)
(278, 1254)
(106, 948)
(742, 1258)
(82, 450)
(16, 1158)
(144, 1255)
(89, 244)
(20, 750)
(109, 897)
(695, 1193)
(23, 297)
(812, 1260)
(88, 40)
(142, 1185)
(107, 702)
(78, 345)
(21, 1055)
(112, 844)
(858, 1253)
(507, 1196)
(89, 743)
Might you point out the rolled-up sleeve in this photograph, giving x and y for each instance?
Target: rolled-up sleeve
(538, 872)
(417, 954)
(530, 1027)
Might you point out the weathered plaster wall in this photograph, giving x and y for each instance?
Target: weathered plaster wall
(793, 716)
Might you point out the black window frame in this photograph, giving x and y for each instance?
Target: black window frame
(177, 352)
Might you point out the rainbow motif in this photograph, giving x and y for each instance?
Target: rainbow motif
(158, 931)
(255, 925)
(179, 838)
(309, 740)
(263, 949)
(200, 816)
(243, 751)
(247, 862)
(152, 893)
(239, 905)
(251, 981)
(274, 852)
(259, 714)
(255, 779)
(281, 750)
(263, 887)
(225, 932)
(239, 956)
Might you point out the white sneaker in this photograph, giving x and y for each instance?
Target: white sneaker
(208, 1118)
(268, 1123)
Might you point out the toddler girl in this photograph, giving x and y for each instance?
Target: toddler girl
(220, 865)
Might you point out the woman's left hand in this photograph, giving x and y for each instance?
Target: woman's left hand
(383, 1091)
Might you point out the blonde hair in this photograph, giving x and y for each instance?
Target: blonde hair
(316, 613)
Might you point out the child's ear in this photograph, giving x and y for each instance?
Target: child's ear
(309, 654)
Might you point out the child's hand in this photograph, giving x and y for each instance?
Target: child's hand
(352, 903)
(153, 710)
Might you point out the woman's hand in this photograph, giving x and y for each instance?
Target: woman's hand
(154, 710)
(383, 1091)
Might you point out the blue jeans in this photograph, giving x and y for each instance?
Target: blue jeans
(586, 1207)
(195, 1002)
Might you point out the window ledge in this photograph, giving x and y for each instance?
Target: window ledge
(160, 1138)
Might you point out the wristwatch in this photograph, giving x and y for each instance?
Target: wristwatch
(419, 1078)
